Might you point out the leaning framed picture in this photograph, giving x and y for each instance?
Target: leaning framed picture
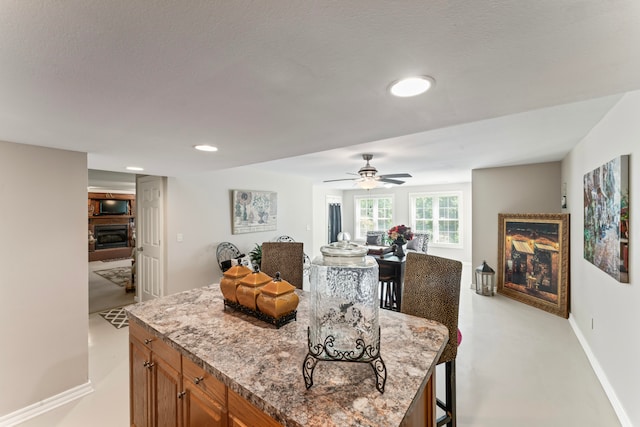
(253, 211)
(533, 260)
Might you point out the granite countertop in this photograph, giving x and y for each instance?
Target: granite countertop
(264, 364)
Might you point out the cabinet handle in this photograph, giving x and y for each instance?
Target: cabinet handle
(145, 364)
(198, 380)
(150, 365)
(181, 394)
(147, 341)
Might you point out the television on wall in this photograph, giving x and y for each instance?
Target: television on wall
(114, 207)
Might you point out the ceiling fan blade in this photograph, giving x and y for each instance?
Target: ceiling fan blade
(343, 179)
(391, 181)
(396, 175)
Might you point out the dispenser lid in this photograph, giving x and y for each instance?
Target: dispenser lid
(344, 249)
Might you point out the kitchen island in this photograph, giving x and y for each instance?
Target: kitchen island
(224, 365)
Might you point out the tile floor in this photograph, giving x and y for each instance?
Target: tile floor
(517, 367)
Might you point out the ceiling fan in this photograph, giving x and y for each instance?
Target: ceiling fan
(368, 178)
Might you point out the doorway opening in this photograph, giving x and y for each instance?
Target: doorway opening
(111, 242)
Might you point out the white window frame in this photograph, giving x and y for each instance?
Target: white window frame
(435, 195)
(356, 211)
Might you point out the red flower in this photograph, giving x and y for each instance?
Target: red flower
(400, 232)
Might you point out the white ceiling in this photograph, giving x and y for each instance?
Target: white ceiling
(139, 83)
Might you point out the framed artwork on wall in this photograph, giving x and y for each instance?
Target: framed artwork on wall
(606, 218)
(533, 260)
(253, 211)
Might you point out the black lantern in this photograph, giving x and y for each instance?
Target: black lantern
(485, 280)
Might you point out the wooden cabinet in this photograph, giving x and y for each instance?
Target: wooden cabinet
(139, 380)
(244, 414)
(205, 397)
(155, 371)
(167, 389)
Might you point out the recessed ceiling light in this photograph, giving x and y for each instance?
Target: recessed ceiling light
(134, 168)
(411, 86)
(205, 147)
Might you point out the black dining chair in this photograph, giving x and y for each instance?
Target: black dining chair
(390, 286)
(432, 291)
(225, 252)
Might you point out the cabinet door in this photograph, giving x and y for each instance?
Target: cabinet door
(165, 400)
(200, 410)
(244, 414)
(139, 359)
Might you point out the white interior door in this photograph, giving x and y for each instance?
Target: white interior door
(150, 242)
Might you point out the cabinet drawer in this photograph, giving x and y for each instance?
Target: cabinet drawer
(243, 413)
(155, 344)
(207, 383)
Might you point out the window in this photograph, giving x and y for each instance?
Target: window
(437, 214)
(372, 213)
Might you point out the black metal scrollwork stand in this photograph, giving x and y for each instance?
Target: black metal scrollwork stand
(326, 352)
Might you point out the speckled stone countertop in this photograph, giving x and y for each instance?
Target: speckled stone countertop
(264, 364)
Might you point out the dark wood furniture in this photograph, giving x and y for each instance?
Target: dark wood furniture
(95, 219)
(391, 277)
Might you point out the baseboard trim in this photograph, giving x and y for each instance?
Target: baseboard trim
(600, 374)
(38, 408)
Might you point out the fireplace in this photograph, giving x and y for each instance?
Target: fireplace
(111, 236)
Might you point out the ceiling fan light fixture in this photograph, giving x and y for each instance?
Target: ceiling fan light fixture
(367, 183)
(411, 86)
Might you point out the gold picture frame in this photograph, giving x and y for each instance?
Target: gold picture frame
(533, 260)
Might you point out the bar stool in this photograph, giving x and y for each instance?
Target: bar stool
(390, 295)
(432, 291)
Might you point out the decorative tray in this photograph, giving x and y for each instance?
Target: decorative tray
(259, 315)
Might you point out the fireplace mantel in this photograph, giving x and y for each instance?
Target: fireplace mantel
(95, 219)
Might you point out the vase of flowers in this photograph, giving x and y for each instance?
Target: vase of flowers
(399, 235)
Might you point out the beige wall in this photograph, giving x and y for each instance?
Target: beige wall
(43, 274)
(199, 208)
(613, 307)
(515, 189)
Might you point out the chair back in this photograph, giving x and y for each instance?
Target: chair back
(285, 257)
(225, 252)
(375, 238)
(432, 291)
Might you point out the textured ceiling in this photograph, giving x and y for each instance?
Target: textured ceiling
(140, 83)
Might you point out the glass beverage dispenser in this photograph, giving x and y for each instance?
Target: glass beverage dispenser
(344, 310)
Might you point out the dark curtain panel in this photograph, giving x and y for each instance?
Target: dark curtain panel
(335, 222)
